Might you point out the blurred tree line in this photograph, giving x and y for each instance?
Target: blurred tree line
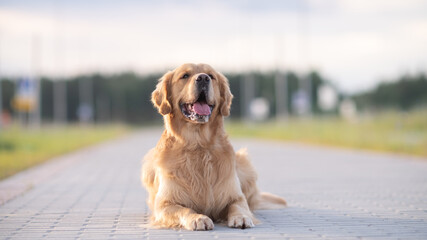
(403, 93)
(125, 97)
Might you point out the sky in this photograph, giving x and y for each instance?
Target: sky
(354, 44)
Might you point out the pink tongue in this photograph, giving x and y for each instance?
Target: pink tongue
(202, 109)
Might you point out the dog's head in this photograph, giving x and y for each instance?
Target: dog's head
(194, 93)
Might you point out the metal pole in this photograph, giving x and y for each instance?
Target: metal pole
(36, 113)
(309, 94)
(59, 85)
(281, 91)
(60, 101)
(86, 97)
(248, 95)
(305, 83)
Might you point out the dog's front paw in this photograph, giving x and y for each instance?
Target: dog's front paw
(240, 221)
(199, 222)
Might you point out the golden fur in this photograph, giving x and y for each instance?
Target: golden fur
(193, 176)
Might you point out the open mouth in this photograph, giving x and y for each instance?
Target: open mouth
(199, 111)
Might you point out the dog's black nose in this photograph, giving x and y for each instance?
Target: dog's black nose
(203, 78)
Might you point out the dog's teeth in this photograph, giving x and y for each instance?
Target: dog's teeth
(188, 111)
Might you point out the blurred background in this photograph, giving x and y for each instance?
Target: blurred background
(334, 72)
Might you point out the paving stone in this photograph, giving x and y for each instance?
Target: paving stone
(96, 193)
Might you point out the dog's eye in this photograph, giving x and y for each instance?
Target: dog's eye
(211, 76)
(185, 76)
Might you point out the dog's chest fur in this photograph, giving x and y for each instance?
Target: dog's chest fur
(204, 176)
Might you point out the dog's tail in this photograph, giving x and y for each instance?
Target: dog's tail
(247, 176)
(268, 201)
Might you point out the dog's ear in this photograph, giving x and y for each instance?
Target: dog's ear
(160, 96)
(226, 96)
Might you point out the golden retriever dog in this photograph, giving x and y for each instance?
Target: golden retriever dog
(193, 176)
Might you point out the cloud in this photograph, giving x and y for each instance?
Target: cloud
(381, 6)
(352, 42)
(18, 22)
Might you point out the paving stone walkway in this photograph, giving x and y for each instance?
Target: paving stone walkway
(95, 193)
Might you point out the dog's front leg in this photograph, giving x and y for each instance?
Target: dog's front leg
(239, 215)
(173, 215)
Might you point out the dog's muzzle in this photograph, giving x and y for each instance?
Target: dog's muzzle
(199, 111)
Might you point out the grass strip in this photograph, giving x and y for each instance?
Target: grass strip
(394, 132)
(23, 148)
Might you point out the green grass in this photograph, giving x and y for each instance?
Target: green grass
(23, 148)
(387, 132)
